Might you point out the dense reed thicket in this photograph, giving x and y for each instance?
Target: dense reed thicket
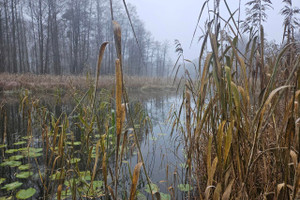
(242, 115)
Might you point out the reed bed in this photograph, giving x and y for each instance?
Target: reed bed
(50, 83)
(241, 127)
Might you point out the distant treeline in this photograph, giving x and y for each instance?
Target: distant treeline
(64, 36)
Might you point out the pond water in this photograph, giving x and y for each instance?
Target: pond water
(162, 152)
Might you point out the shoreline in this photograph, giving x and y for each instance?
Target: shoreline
(14, 83)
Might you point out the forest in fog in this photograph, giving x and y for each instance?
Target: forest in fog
(64, 36)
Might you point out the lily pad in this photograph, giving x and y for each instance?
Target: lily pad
(97, 184)
(75, 160)
(24, 174)
(11, 150)
(85, 175)
(77, 143)
(16, 157)
(6, 198)
(25, 194)
(185, 187)
(164, 196)
(20, 143)
(2, 180)
(153, 187)
(24, 167)
(70, 182)
(11, 163)
(12, 186)
(32, 154)
(3, 145)
(26, 137)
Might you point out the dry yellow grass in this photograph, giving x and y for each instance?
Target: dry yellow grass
(33, 82)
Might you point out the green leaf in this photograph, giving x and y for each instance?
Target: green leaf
(57, 176)
(24, 167)
(6, 198)
(33, 152)
(140, 196)
(75, 160)
(184, 187)
(153, 187)
(12, 186)
(69, 183)
(20, 143)
(11, 163)
(11, 150)
(97, 184)
(2, 180)
(26, 137)
(25, 194)
(3, 145)
(16, 157)
(85, 175)
(24, 174)
(164, 196)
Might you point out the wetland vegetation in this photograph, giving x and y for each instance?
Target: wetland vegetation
(229, 131)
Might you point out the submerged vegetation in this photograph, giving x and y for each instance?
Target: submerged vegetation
(237, 125)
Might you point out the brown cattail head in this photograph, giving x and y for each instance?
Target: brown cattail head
(118, 97)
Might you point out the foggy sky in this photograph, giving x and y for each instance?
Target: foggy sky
(176, 19)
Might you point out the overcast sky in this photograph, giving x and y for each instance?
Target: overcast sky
(176, 19)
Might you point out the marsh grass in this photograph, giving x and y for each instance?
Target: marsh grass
(240, 143)
(51, 83)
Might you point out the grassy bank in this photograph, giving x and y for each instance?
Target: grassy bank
(50, 83)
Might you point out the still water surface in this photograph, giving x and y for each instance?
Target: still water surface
(162, 152)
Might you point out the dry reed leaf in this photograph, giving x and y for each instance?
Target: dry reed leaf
(124, 144)
(208, 162)
(294, 158)
(207, 191)
(210, 175)
(270, 97)
(213, 168)
(217, 192)
(220, 139)
(204, 73)
(96, 162)
(297, 183)
(279, 188)
(135, 179)
(226, 194)
(100, 57)
(236, 98)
